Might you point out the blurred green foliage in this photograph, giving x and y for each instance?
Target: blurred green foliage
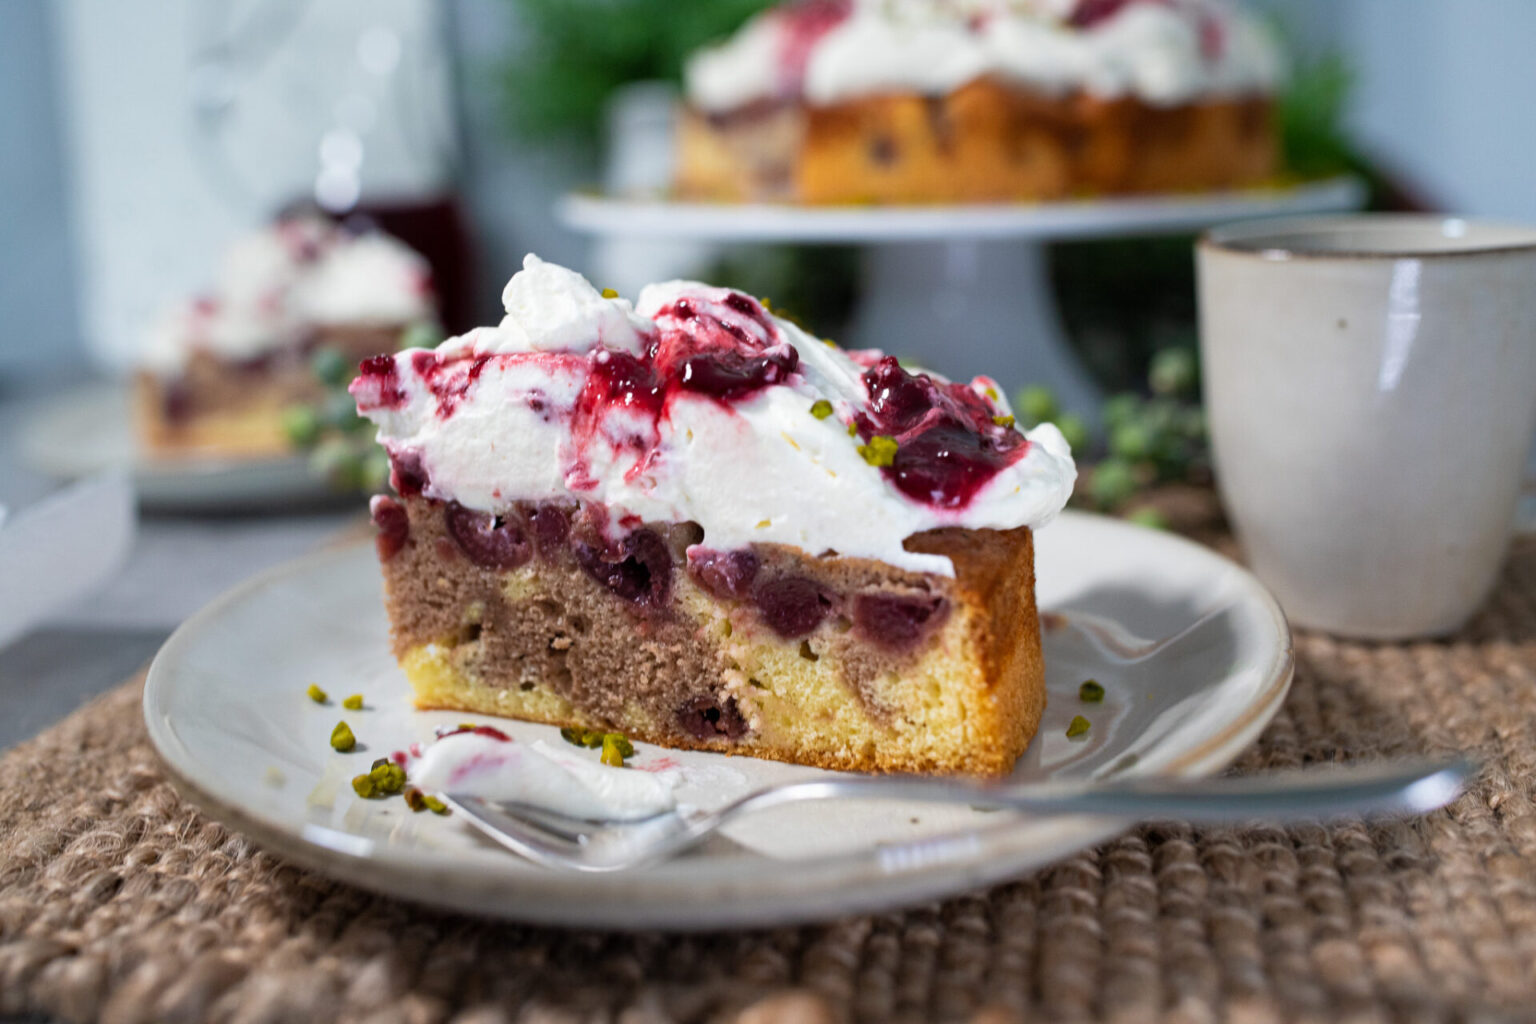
(575, 53)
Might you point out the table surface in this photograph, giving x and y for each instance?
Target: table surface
(177, 565)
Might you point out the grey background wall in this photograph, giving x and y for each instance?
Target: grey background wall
(37, 320)
(1443, 96)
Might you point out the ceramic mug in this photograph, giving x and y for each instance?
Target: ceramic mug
(1370, 383)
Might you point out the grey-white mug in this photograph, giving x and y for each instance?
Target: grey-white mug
(1370, 383)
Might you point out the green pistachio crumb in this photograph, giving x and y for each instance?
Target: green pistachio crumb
(580, 737)
(435, 805)
(353, 703)
(342, 738)
(821, 408)
(619, 740)
(881, 450)
(1002, 421)
(1077, 727)
(364, 787)
(829, 343)
(415, 799)
(765, 303)
(853, 429)
(316, 694)
(387, 776)
(612, 756)
(1091, 692)
(609, 293)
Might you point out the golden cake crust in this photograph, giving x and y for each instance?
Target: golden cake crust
(986, 141)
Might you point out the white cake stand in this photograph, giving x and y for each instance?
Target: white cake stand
(963, 289)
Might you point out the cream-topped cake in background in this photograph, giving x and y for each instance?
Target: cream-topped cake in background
(218, 371)
(692, 522)
(910, 101)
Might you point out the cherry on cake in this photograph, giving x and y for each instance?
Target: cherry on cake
(217, 372)
(689, 521)
(911, 101)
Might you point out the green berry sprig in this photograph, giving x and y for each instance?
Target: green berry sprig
(1146, 439)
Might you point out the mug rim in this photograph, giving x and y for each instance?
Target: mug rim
(1239, 237)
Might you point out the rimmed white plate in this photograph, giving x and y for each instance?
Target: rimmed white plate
(660, 217)
(89, 431)
(1193, 653)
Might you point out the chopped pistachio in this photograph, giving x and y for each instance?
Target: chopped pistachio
(387, 776)
(609, 293)
(353, 703)
(435, 805)
(342, 738)
(766, 304)
(821, 408)
(619, 740)
(829, 343)
(316, 694)
(1091, 692)
(611, 755)
(1077, 727)
(853, 429)
(881, 450)
(580, 737)
(1002, 421)
(415, 799)
(363, 786)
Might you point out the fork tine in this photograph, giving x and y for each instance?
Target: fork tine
(537, 844)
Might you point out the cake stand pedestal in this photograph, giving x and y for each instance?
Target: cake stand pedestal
(962, 289)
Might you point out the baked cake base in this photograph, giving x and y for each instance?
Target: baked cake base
(841, 663)
(987, 141)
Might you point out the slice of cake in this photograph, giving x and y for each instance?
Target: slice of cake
(218, 372)
(691, 522)
(910, 101)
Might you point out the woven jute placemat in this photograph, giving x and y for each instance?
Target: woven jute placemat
(119, 902)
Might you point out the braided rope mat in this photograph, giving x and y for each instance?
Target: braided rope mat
(118, 902)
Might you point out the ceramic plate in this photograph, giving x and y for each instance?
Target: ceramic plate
(90, 431)
(1193, 653)
(1085, 218)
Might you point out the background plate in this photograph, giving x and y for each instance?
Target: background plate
(1081, 218)
(91, 431)
(1193, 653)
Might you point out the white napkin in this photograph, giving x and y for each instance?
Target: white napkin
(62, 548)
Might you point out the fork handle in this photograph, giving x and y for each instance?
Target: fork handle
(1395, 787)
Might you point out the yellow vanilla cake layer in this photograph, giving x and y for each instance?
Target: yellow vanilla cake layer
(543, 642)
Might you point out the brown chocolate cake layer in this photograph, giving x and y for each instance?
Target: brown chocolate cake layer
(843, 663)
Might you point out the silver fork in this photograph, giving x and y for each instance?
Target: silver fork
(1393, 787)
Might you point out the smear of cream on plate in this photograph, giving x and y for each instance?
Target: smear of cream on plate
(482, 763)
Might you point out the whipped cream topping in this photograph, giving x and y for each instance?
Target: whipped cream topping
(279, 283)
(699, 405)
(1164, 52)
(486, 763)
